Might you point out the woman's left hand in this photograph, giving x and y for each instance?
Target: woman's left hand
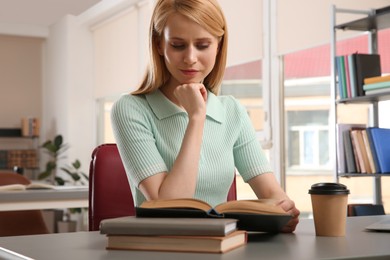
(289, 206)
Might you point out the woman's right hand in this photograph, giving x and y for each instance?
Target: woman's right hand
(192, 97)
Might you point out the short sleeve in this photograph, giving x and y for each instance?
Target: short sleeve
(133, 132)
(249, 157)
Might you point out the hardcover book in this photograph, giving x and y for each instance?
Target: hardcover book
(367, 65)
(374, 155)
(344, 148)
(132, 225)
(381, 140)
(201, 244)
(349, 155)
(252, 215)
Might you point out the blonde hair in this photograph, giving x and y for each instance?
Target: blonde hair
(206, 13)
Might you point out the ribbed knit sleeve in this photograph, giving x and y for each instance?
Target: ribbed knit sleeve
(135, 139)
(249, 157)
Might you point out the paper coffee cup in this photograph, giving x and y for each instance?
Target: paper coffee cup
(329, 202)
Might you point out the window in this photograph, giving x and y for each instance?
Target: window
(308, 145)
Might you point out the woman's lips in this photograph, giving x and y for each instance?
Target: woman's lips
(189, 72)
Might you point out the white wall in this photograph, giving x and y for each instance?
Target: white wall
(69, 106)
(305, 23)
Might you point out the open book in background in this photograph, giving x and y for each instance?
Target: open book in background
(252, 215)
(31, 186)
(38, 186)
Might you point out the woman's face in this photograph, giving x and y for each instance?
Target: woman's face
(189, 50)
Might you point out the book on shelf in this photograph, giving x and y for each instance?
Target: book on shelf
(344, 147)
(378, 91)
(381, 142)
(367, 146)
(349, 155)
(352, 75)
(199, 244)
(377, 79)
(341, 142)
(374, 86)
(252, 215)
(367, 65)
(352, 69)
(30, 126)
(358, 144)
(373, 151)
(131, 225)
(342, 85)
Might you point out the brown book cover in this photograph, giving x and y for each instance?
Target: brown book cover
(252, 215)
(202, 244)
(369, 151)
(357, 140)
(168, 226)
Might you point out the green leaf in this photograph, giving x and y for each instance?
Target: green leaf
(58, 141)
(44, 175)
(59, 181)
(76, 164)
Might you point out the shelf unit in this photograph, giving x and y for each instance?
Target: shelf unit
(16, 142)
(373, 21)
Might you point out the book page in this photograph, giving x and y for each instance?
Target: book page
(12, 187)
(177, 203)
(263, 206)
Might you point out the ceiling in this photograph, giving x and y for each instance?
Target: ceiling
(40, 12)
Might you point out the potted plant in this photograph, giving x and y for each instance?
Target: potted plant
(55, 150)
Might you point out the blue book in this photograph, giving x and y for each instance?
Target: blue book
(373, 151)
(381, 140)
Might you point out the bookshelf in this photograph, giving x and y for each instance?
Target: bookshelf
(20, 151)
(373, 21)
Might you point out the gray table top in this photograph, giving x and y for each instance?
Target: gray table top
(303, 244)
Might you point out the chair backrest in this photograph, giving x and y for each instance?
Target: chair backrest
(21, 222)
(109, 190)
(365, 210)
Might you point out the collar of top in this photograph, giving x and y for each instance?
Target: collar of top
(163, 108)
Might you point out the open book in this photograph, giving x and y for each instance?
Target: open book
(252, 215)
(31, 186)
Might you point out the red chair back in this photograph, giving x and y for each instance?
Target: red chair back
(109, 190)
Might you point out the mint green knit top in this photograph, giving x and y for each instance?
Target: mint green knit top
(149, 130)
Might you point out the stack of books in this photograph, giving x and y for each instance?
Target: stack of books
(352, 69)
(363, 149)
(377, 85)
(214, 235)
(30, 126)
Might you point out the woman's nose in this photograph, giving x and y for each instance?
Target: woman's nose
(190, 55)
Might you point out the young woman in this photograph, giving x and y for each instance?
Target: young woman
(176, 137)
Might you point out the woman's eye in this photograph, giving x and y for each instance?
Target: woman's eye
(202, 46)
(178, 46)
